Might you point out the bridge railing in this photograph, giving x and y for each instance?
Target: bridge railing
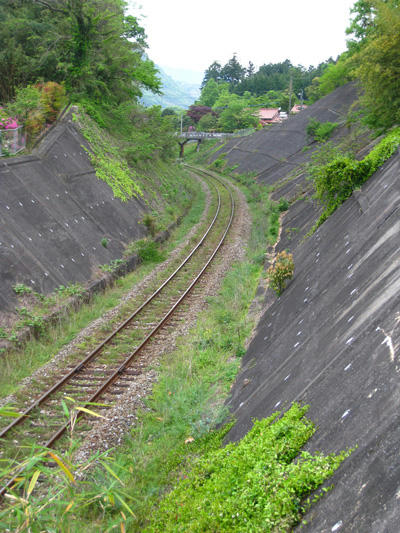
(196, 135)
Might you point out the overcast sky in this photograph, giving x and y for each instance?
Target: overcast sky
(190, 34)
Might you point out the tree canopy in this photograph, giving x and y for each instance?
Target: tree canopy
(93, 47)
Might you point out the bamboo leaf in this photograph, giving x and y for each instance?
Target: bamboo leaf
(111, 472)
(125, 505)
(65, 408)
(69, 507)
(66, 471)
(32, 483)
(78, 408)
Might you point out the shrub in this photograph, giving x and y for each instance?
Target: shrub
(320, 131)
(20, 289)
(150, 223)
(281, 271)
(52, 99)
(149, 251)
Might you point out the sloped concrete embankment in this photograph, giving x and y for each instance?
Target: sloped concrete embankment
(54, 213)
(278, 150)
(332, 340)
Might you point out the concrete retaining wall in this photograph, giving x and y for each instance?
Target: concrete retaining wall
(54, 212)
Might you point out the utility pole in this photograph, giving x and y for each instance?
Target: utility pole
(290, 94)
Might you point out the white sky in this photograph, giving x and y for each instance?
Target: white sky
(190, 34)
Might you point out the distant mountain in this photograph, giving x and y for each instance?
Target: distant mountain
(175, 93)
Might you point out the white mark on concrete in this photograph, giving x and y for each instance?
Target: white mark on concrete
(348, 251)
(270, 324)
(351, 318)
(297, 344)
(39, 234)
(337, 526)
(47, 198)
(350, 266)
(33, 283)
(7, 207)
(372, 393)
(350, 275)
(305, 300)
(58, 196)
(12, 246)
(301, 321)
(51, 231)
(277, 404)
(265, 338)
(349, 341)
(73, 260)
(317, 254)
(67, 224)
(46, 274)
(299, 333)
(33, 201)
(21, 204)
(82, 254)
(389, 343)
(347, 367)
(62, 266)
(345, 413)
(353, 291)
(306, 289)
(287, 377)
(29, 238)
(316, 260)
(241, 403)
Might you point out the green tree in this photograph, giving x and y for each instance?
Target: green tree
(208, 122)
(209, 93)
(379, 65)
(213, 72)
(233, 72)
(91, 46)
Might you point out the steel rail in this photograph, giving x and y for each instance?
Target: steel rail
(94, 352)
(117, 373)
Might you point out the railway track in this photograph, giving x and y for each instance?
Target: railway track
(106, 372)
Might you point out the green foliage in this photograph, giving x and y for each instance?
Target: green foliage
(208, 122)
(283, 205)
(252, 485)
(150, 223)
(280, 271)
(70, 290)
(112, 266)
(378, 64)
(92, 46)
(335, 180)
(20, 289)
(320, 131)
(108, 163)
(149, 251)
(104, 242)
(28, 319)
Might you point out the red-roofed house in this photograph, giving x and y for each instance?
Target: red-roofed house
(268, 116)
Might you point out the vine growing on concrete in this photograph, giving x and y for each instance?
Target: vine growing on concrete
(107, 162)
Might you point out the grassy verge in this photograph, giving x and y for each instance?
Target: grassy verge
(20, 363)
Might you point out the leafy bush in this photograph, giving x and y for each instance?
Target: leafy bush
(252, 485)
(281, 271)
(149, 251)
(52, 99)
(335, 181)
(150, 223)
(20, 289)
(283, 205)
(320, 131)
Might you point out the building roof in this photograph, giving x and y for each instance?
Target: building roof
(268, 113)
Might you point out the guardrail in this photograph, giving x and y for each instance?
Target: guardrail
(12, 141)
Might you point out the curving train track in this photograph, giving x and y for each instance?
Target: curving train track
(106, 371)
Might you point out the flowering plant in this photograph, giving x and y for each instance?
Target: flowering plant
(7, 122)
